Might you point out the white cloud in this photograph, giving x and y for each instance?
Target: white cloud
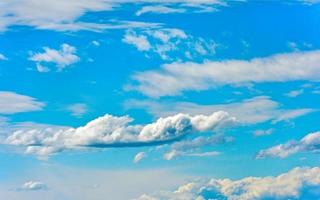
(34, 185)
(173, 79)
(174, 154)
(95, 43)
(262, 132)
(248, 111)
(309, 143)
(294, 93)
(167, 42)
(11, 102)
(112, 131)
(61, 58)
(140, 42)
(191, 147)
(285, 186)
(139, 156)
(159, 9)
(41, 68)
(78, 109)
(60, 15)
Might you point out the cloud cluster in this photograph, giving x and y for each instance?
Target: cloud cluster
(292, 184)
(166, 41)
(309, 143)
(11, 102)
(173, 79)
(113, 131)
(62, 58)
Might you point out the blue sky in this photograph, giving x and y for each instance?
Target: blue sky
(175, 99)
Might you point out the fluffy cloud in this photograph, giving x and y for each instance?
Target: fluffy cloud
(309, 143)
(34, 185)
(11, 102)
(285, 186)
(61, 58)
(139, 156)
(112, 131)
(140, 42)
(174, 78)
(249, 111)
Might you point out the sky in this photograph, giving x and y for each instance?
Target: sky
(159, 100)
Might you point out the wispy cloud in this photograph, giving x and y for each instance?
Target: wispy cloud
(11, 102)
(159, 9)
(173, 79)
(309, 143)
(248, 111)
(78, 109)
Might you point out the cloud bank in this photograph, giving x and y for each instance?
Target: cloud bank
(292, 184)
(113, 131)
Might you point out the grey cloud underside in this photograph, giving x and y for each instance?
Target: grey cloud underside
(111, 131)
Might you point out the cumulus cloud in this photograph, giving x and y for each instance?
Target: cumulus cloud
(33, 185)
(111, 131)
(173, 79)
(159, 9)
(62, 58)
(139, 156)
(309, 143)
(248, 111)
(288, 185)
(11, 102)
(78, 109)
